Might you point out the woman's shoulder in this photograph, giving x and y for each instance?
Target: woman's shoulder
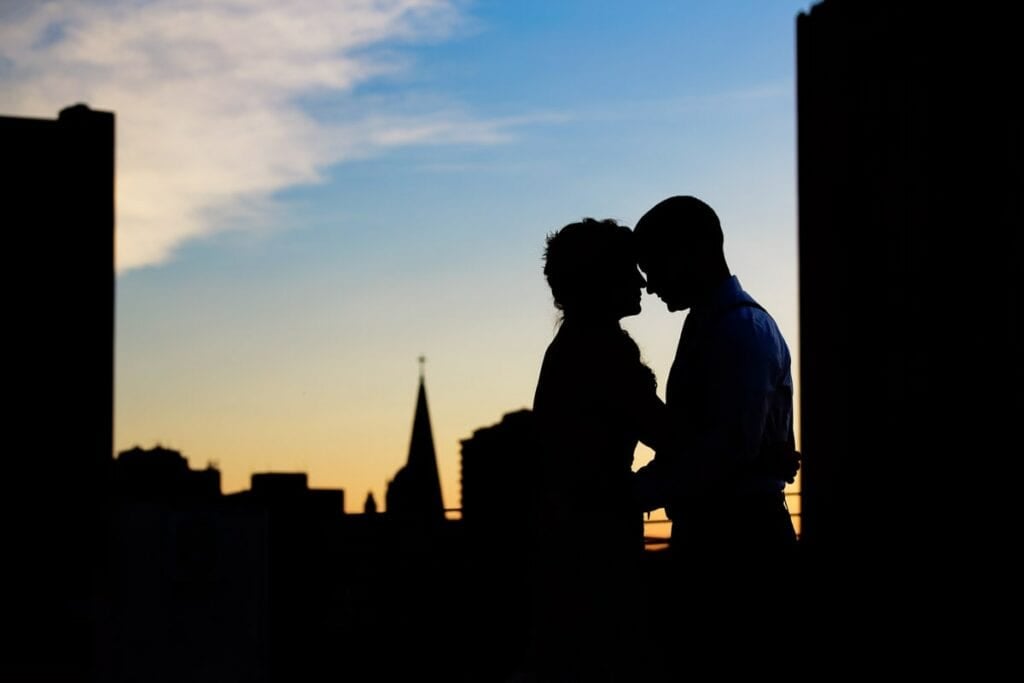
(598, 352)
(587, 335)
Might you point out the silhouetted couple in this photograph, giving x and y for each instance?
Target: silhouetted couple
(723, 443)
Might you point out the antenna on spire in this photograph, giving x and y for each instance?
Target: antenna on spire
(423, 361)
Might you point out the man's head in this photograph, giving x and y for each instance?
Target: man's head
(680, 249)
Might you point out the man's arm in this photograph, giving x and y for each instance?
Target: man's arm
(649, 481)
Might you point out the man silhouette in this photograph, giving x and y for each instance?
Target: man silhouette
(728, 447)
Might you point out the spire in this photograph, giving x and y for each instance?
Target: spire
(421, 446)
(415, 492)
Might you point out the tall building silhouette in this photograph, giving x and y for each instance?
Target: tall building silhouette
(499, 482)
(909, 157)
(414, 495)
(499, 470)
(57, 181)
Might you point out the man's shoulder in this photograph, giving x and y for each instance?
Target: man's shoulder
(745, 326)
(741, 309)
(729, 298)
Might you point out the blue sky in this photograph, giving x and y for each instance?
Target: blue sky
(312, 194)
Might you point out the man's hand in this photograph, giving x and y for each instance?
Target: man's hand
(788, 464)
(649, 487)
(782, 462)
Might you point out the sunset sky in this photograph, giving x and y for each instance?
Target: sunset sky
(312, 194)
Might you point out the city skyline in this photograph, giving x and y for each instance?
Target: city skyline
(277, 284)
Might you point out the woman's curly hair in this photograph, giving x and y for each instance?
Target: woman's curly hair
(580, 254)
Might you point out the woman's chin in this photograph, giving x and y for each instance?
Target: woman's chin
(631, 310)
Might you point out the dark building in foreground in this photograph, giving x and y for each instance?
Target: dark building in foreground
(909, 161)
(58, 190)
(57, 184)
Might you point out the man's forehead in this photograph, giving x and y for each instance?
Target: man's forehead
(651, 257)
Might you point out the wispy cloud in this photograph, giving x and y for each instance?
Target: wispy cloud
(207, 93)
(682, 105)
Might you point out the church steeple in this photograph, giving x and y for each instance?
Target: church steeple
(415, 492)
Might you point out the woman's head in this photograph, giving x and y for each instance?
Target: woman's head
(591, 269)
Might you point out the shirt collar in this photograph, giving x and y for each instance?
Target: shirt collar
(726, 293)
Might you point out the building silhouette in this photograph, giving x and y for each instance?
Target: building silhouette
(275, 582)
(414, 495)
(291, 490)
(271, 583)
(58, 189)
(424, 562)
(499, 479)
(909, 184)
(306, 562)
(162, 473)
(189, 589)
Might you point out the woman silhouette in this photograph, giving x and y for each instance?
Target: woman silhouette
(594, 400)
